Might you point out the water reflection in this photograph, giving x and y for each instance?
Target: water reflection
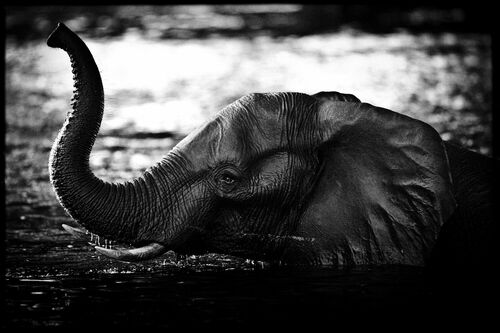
(174, 86)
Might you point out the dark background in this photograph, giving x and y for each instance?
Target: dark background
(99, 21)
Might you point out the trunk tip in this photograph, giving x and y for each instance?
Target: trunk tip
(55, 38)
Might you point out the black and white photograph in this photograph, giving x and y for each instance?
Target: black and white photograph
(236, 166)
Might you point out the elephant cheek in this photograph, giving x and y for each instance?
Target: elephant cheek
(192, 211)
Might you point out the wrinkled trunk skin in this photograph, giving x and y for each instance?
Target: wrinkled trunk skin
(132, 212)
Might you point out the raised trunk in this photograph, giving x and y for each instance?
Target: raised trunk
(124, 212)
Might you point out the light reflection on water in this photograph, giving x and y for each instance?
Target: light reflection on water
(175, 85)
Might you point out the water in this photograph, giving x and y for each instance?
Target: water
(237, 298)
(53, 280)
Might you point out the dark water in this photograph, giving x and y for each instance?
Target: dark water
(237, 298)
(53, 280)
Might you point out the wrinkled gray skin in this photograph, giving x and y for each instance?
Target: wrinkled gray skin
(321, 179)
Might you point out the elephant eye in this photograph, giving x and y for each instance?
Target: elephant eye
(227, 179)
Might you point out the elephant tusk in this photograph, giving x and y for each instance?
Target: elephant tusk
(87, 236)
(77, 232)
(150, 251)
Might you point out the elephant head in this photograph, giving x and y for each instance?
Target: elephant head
(288, 176)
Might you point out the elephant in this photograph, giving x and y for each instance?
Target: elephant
(287, 177)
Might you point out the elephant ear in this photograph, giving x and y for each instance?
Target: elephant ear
(384, 189)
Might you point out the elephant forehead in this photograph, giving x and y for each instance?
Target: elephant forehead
(258, 122)
(199, 147)
(248, 133)
(227, 139)
(251, 125)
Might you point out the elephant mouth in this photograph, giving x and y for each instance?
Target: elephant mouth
(115, 250)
